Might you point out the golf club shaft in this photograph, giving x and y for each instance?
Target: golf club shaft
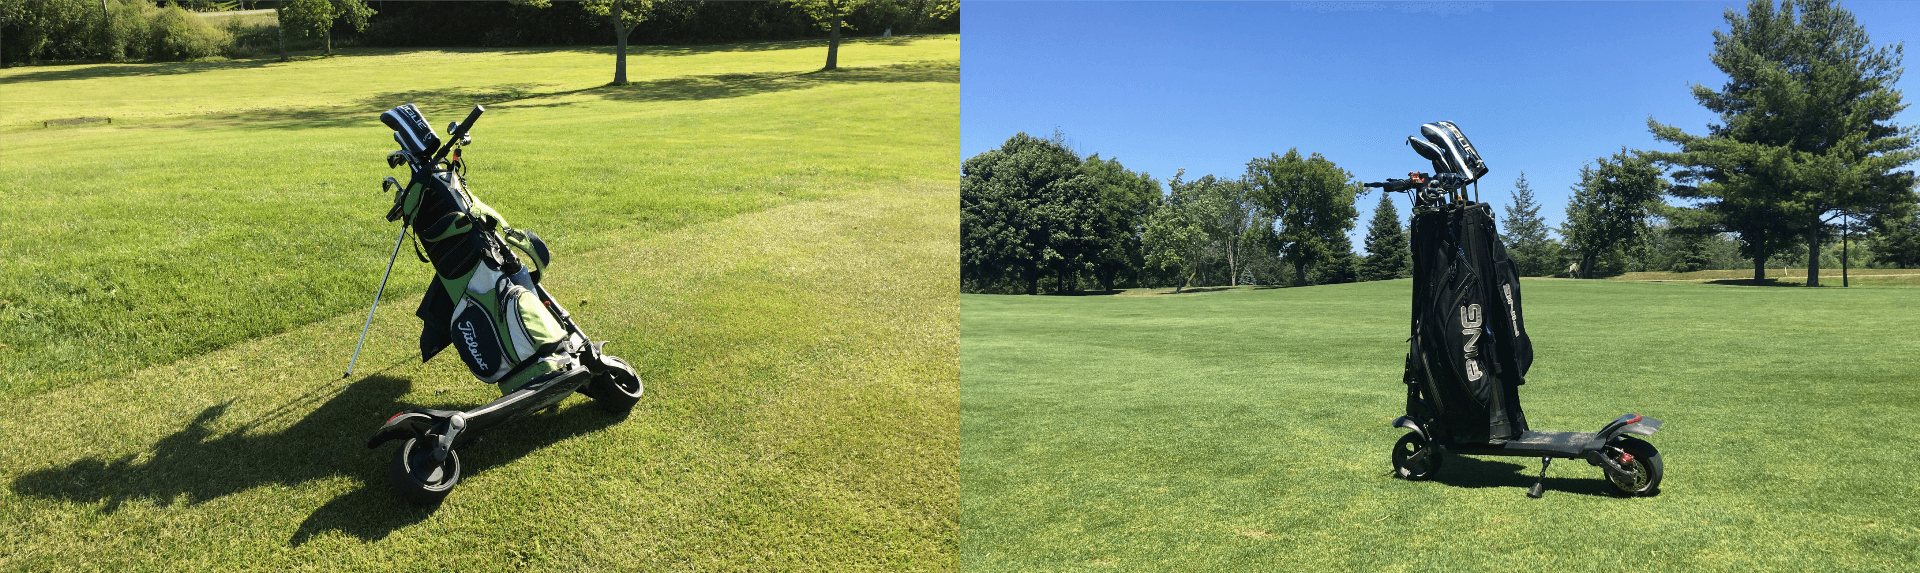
(376, 301)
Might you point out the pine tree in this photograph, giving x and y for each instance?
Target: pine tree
(1527, 242)
(1388, 256)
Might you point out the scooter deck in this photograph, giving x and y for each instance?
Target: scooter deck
(1534, 444)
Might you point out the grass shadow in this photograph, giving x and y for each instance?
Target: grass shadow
(1758, 283)
(195, 464)
(1471, 472)
(88, 72)
(452, 103)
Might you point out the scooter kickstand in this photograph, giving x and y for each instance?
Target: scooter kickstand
(1539, 486)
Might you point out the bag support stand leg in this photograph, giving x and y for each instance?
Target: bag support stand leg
(376, 302)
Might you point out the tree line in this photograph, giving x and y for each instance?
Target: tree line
(1035, 216)
(1804, 167)
(68, 31)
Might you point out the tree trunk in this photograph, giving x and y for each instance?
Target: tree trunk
(280, 27)
(329, 40)
(620, 30)
(1843, 255)
(1813, 253)
(833, 42)
(1299, 273)
(1760, 267)
(1233, 266)
(1586, 265)
(1033, 280)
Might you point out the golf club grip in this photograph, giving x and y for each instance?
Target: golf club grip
(465, 125)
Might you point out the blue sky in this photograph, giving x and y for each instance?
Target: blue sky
(1539, 87)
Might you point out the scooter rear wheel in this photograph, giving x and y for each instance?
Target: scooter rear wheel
(1646, 467)
(617, 387)
(418, 478)
(1409, 461)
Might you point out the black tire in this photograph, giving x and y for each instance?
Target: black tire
(1645, 464)
(1412, 468)
(616, 388)
(418, 478)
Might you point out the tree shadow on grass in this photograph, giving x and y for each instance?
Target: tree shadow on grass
(1471, 472)
(105, 70)
(87, 72)
(451, 104)
(1761, 283)
(194, 465)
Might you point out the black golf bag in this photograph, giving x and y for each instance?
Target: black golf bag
(1469, 350)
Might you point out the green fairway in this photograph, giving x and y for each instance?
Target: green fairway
(772, 249)
(1248, 430)
(229, 201)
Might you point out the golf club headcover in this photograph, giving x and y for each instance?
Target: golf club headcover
(415, 134)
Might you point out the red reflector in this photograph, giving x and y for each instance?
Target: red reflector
(1625, 458)
(1636, 418)
(395, 417)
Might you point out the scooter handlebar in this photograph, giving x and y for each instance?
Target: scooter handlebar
(454, 136)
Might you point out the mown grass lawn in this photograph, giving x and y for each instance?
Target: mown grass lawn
(771, 248)
(1247, 430)
(232, 200)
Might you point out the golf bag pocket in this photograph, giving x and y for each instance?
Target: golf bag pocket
(473, 332)
(530, 327)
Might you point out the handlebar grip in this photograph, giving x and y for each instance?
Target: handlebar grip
(472, 116)
(454, 136)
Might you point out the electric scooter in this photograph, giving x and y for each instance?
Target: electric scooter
(1469, 349)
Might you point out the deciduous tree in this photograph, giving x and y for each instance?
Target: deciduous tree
(1312, 201)
(1610, 207)
(1025, 209)
(1126, 200)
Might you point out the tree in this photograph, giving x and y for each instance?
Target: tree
(1340, 266)
(1388, 255)
(1194, 227)
(1610, 207)
(624, 15)
(1533, 251)
(830, 15)
(1126, 200)
(1312, 201)
(1025, 209)
(316, 18)
(1897, 242)
(1172, 238)
(1806, 130)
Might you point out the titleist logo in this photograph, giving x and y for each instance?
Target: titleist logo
(473, 345)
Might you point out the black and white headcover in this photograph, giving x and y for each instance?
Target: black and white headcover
(411, 129)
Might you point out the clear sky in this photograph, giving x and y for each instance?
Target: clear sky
(1539, 87)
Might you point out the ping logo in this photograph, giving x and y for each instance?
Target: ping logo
(473, 345)
(1470, 320)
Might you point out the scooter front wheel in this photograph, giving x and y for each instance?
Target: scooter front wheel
(1415, 458)
(420, 479)
(1643, 460)
(617, 387)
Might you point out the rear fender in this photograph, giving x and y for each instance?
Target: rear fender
(1411, 424)
(1628, 424)
(401, 426)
